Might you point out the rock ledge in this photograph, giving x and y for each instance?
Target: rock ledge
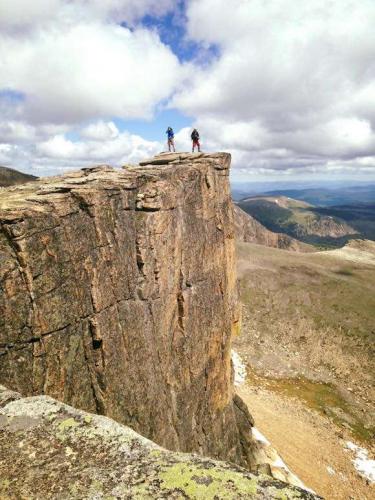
(49, 450)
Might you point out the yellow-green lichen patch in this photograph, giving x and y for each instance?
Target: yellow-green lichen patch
(141, 492)
(74, 490)
(88, 419)
(68, 424)
(207, 484)
(286, 494)
(95, 489)
(4, 485)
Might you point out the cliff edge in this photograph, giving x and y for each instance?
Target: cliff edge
(118, 296)
(65, 453)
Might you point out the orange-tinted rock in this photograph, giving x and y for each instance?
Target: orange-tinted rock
(118, 296)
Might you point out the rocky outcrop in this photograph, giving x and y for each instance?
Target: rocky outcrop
(249, 230)
(77, 455)
(118, 296)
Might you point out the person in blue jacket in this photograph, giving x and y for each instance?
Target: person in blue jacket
(170, 135)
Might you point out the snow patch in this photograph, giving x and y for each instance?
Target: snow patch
(362, 463)
(258, 436)
(280, 463)
(239, 369)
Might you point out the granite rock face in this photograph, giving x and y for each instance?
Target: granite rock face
(118, 296)
(49, 450)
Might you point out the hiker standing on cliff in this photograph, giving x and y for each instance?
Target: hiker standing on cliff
(195, 139)
(170, 135)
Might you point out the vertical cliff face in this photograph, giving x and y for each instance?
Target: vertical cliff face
(118, 296)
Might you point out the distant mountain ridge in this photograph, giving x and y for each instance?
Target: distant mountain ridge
(11, 177)
(323, 196)
(298, 219)
(360, 216)
(249, 230)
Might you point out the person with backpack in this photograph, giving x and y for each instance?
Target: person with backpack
(170, 135)
(195, 139)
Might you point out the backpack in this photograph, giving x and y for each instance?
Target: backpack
(195, 135)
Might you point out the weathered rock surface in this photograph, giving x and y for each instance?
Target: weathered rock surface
(249, 230)
(49, 450)
(118, 296)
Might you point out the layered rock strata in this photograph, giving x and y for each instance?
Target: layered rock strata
(118, 296)
(64, 453)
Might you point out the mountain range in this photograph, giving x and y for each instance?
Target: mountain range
(330, 226)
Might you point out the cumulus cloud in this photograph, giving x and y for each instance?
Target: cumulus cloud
(98, 143)
(73, 61)
(124, 10)
(289, 86)
(291, 76)
(88, 70)
(14, 131)
(64, 63)
(25, 14)
(22, 13)
(100, 131)
(119, 149)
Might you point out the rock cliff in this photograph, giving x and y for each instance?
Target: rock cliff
(118, 296)
(76, 455)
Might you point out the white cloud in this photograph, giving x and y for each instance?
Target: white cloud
(297, 77)
(100, 131)
(25, 14)
(123, 10)
(121, 148)
(88, 70)
(58, 153)
(291, 89)
(15, 131)
(65, 63)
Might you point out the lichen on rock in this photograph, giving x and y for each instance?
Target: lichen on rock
(118, 296)
(70, 454)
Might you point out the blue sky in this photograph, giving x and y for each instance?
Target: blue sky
(288, 88)
(155, 128)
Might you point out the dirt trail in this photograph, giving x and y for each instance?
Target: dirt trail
(309, 443)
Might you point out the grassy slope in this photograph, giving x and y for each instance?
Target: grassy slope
(311, 317)
(11, 177)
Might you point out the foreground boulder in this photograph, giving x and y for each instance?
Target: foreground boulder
(118, 296)
(49, 450)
